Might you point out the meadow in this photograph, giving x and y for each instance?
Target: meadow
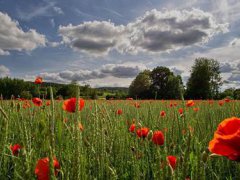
(102, 141)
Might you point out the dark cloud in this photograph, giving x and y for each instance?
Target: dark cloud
(155, 31)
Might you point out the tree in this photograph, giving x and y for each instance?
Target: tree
(205, 80)
(236, 94)
(140, 86)
(165, 85)
(227, 93)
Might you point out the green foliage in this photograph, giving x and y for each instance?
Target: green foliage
(205, 80)
(160, 83)
(140, 86)
(26, 95)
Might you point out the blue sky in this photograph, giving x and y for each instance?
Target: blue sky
(108, 42)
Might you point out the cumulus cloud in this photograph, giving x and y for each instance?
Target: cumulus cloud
(12, 37)
(156, 31)
(227, 67)
(4, 71)
(92, 37)
(235, 77)
(121, 71)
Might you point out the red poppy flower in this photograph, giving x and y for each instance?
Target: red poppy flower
(190, 103)
(38, 80)
(137, 105)
(129, 98)
(162, 113)
(221, 102)
(119, 112)
(227, 100)
(70, 104)
(15, 149)
(196, 109)
(142, 132)
(132, 128)
(158, 138)
(26, 105)
(226, 141)
(42, 168)
(37, 101)
(48, 103)
(172, 161)
(180, 110)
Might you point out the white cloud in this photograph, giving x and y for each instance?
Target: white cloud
(92, 37)
(4, 71)
(58, 10)
(156, 31)
(12, 37)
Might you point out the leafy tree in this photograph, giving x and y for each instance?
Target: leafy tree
(26, 95)
(227, 93)
(165, 85)
(140, 86)
(236, 94)
(205, 80)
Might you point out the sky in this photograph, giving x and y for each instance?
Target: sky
(108, 42)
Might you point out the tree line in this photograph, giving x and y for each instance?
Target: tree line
(160, 83)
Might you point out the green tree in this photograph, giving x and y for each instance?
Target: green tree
(165, 85)
(236, 94)
(140, 86)
(205, 80)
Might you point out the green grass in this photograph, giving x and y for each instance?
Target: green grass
(105, 149)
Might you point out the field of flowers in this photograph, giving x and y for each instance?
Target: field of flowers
(119, 139)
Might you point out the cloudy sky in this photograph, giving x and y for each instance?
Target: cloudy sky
(108, 42)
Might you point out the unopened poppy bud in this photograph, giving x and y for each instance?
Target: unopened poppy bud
(204, 156)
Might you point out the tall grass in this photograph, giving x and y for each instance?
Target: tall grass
(105, 149)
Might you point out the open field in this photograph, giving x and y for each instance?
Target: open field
(104, 148)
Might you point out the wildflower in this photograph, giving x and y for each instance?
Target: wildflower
(226, 141)
(142, 132)
(190, 103)
(172, 162)
(221, 102)
(162, 113)
(119, 112)
(70, 105)
(180, 110)
(132, 128)
(37, 101)
(158, 138)
(15, 149)
(227, 100)
(48, 103)
(137, 105)
(38, 80)
(196, 109)
(42, 170)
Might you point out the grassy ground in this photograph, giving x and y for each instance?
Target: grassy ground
(105, 149)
